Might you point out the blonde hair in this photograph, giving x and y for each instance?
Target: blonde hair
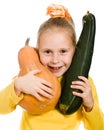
(61, 19)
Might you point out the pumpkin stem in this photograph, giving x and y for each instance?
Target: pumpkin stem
(27, 41)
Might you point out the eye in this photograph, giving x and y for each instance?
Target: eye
(63, 51)
(47, 52)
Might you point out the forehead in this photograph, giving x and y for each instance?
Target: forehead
(55, 32)
(55, 37)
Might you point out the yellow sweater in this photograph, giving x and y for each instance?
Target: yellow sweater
(53, 120)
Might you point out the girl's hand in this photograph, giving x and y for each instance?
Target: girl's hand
(84, 85)
(31, 84)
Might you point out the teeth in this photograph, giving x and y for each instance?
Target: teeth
(55, 68)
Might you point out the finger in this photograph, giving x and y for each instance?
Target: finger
(78, 82)
(45, 91)
(45, 94)
(48, 90)
(46, 83)
(34, 72)
(84, 79)
(38, 97)
(40, 94)
(79, 87)
(77, 94)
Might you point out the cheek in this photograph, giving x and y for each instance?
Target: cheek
(68, 60)
(44, 60)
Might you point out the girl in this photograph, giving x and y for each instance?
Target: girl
(56, 42)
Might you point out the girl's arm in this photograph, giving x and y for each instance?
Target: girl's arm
(33, 85)
(8, 99)
(94, 120)
(93, 117)
(29, 84)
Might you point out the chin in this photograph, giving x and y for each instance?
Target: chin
(58, 74)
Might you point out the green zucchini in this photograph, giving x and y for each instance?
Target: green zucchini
(68, 103)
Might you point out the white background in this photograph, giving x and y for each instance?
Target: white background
(20, 19)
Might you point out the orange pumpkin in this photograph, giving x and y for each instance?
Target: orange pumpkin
(28, 60)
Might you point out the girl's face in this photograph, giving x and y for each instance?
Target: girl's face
(56, 50)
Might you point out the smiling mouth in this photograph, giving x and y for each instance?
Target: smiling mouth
(54, 69)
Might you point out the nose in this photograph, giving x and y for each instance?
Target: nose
(55, 58)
